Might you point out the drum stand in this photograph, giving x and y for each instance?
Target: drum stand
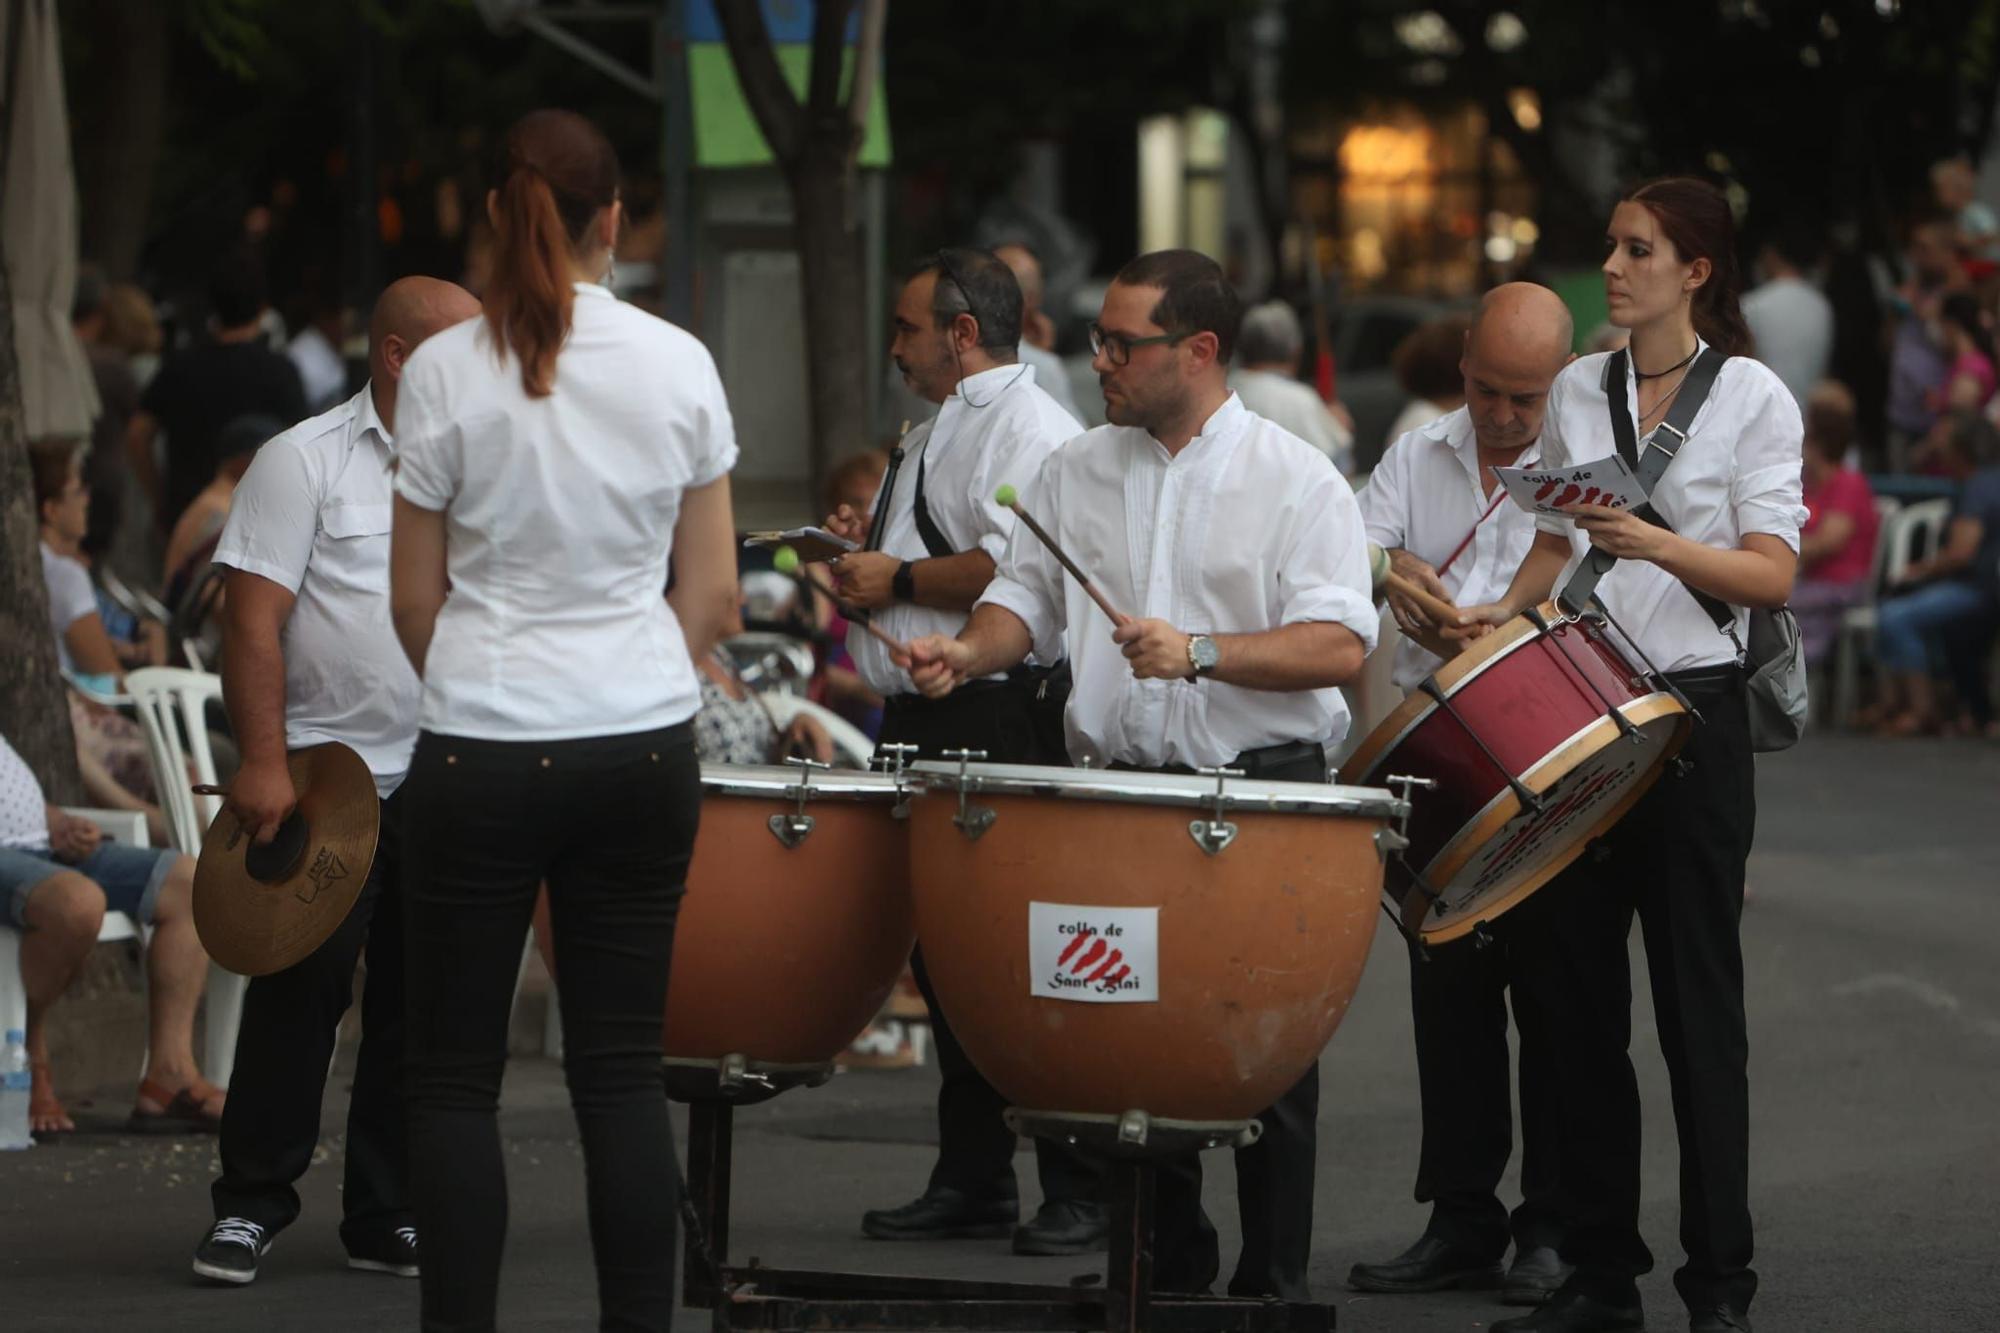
(753, 1296)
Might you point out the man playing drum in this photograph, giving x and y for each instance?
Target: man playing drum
(1435, 505)
(1238, 549)
(936, 535)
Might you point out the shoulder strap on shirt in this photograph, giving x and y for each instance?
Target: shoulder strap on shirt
(1662, 447)
(927, 529)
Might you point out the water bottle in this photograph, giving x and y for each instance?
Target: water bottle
(15, 1084)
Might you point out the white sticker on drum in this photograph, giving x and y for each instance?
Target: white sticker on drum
(1096, 955)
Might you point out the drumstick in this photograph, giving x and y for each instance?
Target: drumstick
(786, 561)
(1011, 498)
(1441, 612)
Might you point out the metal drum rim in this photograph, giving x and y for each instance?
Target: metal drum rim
(770, 782)
(1190, 790)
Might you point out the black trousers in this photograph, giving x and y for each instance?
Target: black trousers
(270, 1123)
(1676, 861)
(1459, 996)
(1274, 1175)
(610, 823)
(975, 1147)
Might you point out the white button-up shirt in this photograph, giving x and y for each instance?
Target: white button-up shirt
(312, 516)
(1425, 496)
(1246, 529)
(995, 429)
(1739, 472)
(560, 516)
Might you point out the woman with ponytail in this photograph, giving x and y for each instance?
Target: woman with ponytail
(553, 455)
(1730, 498)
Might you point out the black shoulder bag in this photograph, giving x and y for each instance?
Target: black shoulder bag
(1774, 656)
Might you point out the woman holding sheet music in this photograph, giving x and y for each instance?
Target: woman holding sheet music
(1729, 500)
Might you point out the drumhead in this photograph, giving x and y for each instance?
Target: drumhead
(780, 782)
(1181, 789)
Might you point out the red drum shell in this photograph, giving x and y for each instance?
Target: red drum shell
(1260, 947)
(784, 955)
(1536, 699)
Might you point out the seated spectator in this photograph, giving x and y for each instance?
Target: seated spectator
(199, 527)
(58, 876)
(117, 769)
(1426, 365)
(1268, 347)
(736, 726)
(1837, 548)
(1969, 380)
(1949, 603)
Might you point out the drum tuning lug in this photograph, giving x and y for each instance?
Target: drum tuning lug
(1214, 834)
(1133, 1127)
(894, 759)
(1482, 938)
(791, 830)
(1388, 842)
(971, 820)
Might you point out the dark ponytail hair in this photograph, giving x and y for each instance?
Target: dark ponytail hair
(1695, 216)
(557, 173)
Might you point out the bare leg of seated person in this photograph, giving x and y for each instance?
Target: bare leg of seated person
(176, 969)
(59, 929)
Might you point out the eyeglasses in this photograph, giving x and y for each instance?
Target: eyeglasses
(1117, 348)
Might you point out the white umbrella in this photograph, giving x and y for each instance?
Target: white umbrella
(38, 214)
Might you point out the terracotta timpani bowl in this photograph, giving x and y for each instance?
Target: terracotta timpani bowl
(797, 918)
(1108, 942)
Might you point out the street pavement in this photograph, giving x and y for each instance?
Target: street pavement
(1875, 1029)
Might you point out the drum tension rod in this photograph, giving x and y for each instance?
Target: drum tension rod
(792, 829)
(1212, 835)
(971, 820)
(1611, 710)
(1651, 670)
(1529, 801)
(893, 759)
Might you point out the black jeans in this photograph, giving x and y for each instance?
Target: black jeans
(270, 1123)
(1458, 999)
(975, 1147)
(1676, 861)
(1274, 1175)
(609, 822)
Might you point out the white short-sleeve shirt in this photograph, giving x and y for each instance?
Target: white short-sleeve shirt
(1739, 472)
(71, 597)
(560, 516)
(312, 516)
(1246, 529)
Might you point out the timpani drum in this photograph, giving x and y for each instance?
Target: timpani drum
(1111, 942)
(797, 919)
(1536, 739)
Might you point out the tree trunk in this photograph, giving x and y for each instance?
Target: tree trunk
(34, 711)
(119, 118)
(831, 272)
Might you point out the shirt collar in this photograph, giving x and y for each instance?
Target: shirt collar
(367, 419)
(1222, 424)
(995, 381)
(1454, 431)
(593, 289)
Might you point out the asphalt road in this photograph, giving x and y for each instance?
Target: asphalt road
(1875, 1028)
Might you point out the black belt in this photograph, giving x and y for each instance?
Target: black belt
(1253, 763)
(1710, 679)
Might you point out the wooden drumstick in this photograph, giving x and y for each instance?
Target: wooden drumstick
(786, 561)
(1440, 611)
(1011, 498)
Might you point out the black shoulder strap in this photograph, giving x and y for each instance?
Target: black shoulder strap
(927, 529)
(1662, 447)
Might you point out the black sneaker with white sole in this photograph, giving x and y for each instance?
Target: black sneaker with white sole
(231, 1251)
(393, 1252)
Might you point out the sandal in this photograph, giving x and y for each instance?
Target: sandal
(43, 1104)
(186, 1111)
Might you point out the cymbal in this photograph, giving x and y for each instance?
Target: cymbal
(260, 909)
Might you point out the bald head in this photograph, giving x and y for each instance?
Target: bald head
(408, 311)
(1519, 339)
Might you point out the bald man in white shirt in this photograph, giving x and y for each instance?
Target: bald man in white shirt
(1435, 504)
(1187, 505)
(309, 656)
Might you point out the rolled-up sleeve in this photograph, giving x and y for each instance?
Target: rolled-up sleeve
(1028, 580)
(1767, 488)
(715, 449)
(273, 516)
(1323, 576)
(428, 457)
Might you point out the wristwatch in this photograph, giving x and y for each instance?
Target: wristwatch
(903, 585)
(1203, 655)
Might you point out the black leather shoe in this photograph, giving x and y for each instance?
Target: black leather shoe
(1534, 1276)
(1064, 1226)
(1721, 1319)
(943, 1213)
(1432, 1264)
(1573, 1312)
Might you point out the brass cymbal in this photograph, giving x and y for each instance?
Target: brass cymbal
(260, 909)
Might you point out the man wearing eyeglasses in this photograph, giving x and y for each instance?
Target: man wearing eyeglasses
(930, 553)
(1235, 552)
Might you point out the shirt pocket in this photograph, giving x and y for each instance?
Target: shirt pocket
(353, 550)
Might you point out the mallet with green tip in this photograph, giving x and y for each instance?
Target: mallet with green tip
(786, 561)
(1011, 498)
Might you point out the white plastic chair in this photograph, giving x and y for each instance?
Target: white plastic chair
(172, 704)
(127, 826)
(851, 746)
